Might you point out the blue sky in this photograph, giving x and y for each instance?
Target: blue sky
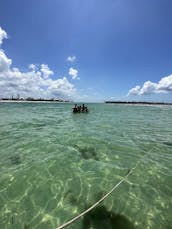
(87, 50)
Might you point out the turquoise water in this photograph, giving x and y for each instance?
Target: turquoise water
(54, 164)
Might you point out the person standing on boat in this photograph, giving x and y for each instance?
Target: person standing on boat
(83, 107)
(75, 108)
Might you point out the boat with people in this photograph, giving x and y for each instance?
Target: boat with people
(80, 109)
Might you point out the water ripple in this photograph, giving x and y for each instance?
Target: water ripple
(54, 164)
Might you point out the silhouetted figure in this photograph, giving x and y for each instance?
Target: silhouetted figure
(75, 108)
(79, 108)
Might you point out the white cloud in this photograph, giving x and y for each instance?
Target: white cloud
(46, 71)
(148, 88)
(4, 62)
(71, 58)
(163, 86)
(73, 73)
(3, 35)
(35, 82)
(134, 91)
(32, 67)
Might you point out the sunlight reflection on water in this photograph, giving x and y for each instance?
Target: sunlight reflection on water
(54, 164)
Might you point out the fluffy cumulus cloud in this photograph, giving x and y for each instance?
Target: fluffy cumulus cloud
(163, 86)
(35, 82)
(5, 62)
(73, 73)
(3, 35)
(46, 71)
(71, 58)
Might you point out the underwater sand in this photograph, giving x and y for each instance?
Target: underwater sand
(54, 164)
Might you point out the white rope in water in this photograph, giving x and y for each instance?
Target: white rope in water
(104, 197)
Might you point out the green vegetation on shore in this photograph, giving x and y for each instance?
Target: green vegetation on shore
(140, 102)
(33, 99)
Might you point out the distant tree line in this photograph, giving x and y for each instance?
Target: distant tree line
(138, 102)
(18, 98)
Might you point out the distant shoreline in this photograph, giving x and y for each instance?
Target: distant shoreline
(67, 101)
(137, 103)
(34, 101)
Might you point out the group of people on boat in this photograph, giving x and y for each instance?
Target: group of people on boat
(79, 108)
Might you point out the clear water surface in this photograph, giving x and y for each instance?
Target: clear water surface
(54, 164)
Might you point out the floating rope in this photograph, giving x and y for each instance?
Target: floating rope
(104, 197)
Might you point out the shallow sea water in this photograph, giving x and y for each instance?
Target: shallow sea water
(54, 164)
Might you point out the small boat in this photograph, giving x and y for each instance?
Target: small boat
(80, 109)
